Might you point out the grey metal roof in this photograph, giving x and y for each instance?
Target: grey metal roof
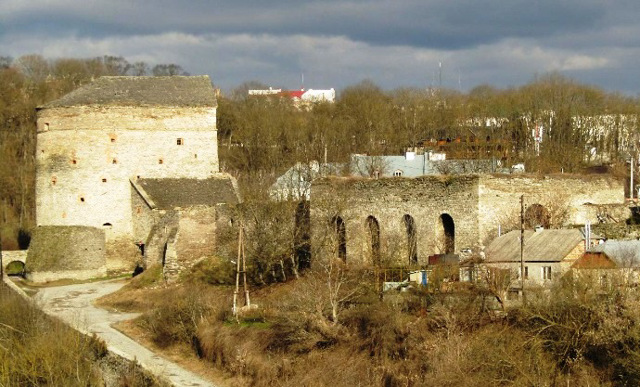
(167, 194)
(539, 246)
(173, 91)
(418, 166)
(623, 253)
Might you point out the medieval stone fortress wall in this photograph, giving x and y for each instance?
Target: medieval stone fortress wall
(407, 220)
(94, 142)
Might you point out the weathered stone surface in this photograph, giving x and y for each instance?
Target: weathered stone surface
(477, 204)
(93, 142)
(76, 252)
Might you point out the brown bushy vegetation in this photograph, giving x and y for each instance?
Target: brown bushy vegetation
(572, 335)
(36, 350)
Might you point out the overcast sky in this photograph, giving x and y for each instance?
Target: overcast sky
(394, 43)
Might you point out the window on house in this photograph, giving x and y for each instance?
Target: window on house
(526, 272)
(546, 272)
(397, 173)
(54, 180)
(82, 199)
(113, 139)
(114, 161)
(46, 126)
(160, 161)
(180, 141)
(74, 161)
(104, 180)
(195, 155)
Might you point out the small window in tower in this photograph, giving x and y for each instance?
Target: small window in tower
(104, 180)
(82, 199)
(74, 161)
(114, 161)
(180, 141)
(54, 180)
(195, 155)
(46, 126)
(160, 161)
(113, 139)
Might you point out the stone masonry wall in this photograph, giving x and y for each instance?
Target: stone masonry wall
(569, 199)
(76, 252)
(425, 199)
(476, 203)
(85, 157)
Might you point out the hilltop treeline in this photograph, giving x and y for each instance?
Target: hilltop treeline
(259, 134)
(263, 137)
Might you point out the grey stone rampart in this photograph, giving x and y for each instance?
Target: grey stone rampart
(567, 198)
(388, 200)
(476, 203)
(56, 252)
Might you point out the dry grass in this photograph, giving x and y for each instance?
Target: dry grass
(427, 340)
(36, 350)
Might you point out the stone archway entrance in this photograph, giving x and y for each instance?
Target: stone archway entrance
(341, 237)
(373, 227)
(412, 239)
(446, 234)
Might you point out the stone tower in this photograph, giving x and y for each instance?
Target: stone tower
(94, 142)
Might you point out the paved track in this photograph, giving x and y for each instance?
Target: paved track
(74, 304)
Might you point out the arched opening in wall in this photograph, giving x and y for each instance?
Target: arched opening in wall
(536, 215)
(302, 235)
(373, 227)
(341, 237)
(164, 254)
(447, 234)
(412, 238)
(15, 268)
(107, 226)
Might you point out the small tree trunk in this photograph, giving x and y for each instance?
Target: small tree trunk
(294, 266)
(284, 275)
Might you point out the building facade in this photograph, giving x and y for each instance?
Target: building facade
(94, 142)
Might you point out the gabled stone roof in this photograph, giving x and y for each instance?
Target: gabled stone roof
(173, 91)
(168, 194)
(539, 246)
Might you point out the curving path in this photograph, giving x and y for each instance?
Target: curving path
(74, 305)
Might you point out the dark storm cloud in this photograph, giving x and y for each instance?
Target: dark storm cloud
(337, 43)
(430, 24)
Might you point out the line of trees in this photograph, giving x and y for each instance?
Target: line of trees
(260, 138)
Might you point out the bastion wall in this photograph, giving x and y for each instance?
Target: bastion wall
(477, 205)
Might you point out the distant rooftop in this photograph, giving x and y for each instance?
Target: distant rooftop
(173, 91)
(539, 246)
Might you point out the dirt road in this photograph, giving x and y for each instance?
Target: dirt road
(74, 304)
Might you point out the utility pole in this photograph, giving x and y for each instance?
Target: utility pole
(522, 248)
(241, 268)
